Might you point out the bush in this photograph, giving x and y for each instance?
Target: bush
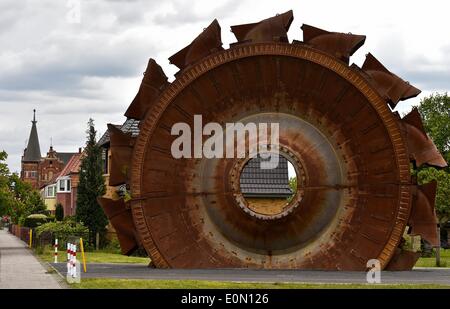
(35, 220)
(112, 245)
(63, 230)
(59, 212)
(70, 219)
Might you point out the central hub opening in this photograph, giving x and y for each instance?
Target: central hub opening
(268, 188)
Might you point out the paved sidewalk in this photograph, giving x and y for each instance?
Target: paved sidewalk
(19, 269)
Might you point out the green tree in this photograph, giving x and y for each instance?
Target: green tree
(442, 177)
(435, 112)
(293, 184)
(25, 200)
(91, 186)
(59, 212)
(20, 191)
(18, 199)
(5, 192)
(35, 204)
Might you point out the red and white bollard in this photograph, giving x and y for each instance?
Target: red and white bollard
(73, 267)
(74, 260)
(56, 250)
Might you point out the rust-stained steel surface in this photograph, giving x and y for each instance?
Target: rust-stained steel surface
(122, 221)
(121, 147)
(352, 155)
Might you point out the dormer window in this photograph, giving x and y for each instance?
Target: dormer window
(64, 185)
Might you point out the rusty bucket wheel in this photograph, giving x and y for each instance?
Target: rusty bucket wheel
(352, 155)
(183, 219)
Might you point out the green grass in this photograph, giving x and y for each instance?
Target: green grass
(92, 257)
(431, 261)
(200, 284)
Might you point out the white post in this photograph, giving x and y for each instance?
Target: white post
(68, 257)
(56, 250)
(71, 260)
(74, 264)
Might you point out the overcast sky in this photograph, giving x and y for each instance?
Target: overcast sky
(72, 71)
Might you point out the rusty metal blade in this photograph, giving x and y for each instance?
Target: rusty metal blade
(152, 84)
(392, 87)
(423, 220)
(341, 45)
(403, 260)
(122, 221)
(207, 42)
(273, 29)
(121, 149)
(421, 148)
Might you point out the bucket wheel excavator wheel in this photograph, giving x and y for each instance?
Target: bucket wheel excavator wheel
(355, 196)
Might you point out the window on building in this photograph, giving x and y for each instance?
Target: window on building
(105, 160)
(64, 185)
(50, 192)
(30, 174)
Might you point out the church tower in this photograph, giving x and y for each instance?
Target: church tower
(32, 156)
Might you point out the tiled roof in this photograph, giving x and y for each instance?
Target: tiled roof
(257, 182)
(129, 126)
(65, 156)
(73, 166)
(33, 150)
(105, 137)
(53, 180)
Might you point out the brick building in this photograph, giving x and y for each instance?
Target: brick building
(38, 170)
(55, 175)
(67, 185)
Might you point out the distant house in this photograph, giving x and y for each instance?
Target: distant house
(266, 190)
(129, 126)
(37, 170)
(67, 184)
(48, 193)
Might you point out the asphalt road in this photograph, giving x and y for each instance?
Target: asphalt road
(133, 271)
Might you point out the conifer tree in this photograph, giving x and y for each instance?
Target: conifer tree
(59, 212)
(91, 186)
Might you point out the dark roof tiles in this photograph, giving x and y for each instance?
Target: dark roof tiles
(65, 156)
(129, 126)
(33, 150)
(258, 182)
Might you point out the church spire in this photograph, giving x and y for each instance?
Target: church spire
(33, 150)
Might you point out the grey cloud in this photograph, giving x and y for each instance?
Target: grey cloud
(62, 70)
(184, 13)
